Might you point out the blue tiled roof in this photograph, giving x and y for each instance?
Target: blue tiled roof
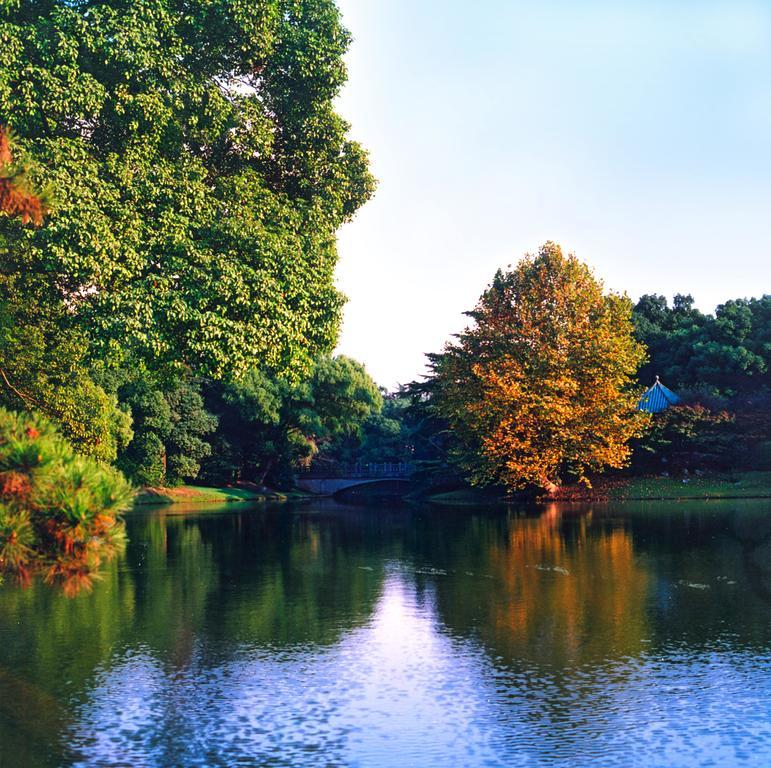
(658, 398)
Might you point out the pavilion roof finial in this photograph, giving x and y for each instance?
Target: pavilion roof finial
(657, 398)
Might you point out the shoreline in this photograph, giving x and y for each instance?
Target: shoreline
(742, 485)
(194, 494)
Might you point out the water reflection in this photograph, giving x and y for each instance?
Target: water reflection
(326, 636)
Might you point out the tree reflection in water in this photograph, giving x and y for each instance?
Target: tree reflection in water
(374, 637)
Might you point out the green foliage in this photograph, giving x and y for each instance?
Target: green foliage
(688, 436)
(44, 368)
(267, 425)
(728, 352)
(337, 399)
(384, 436)
(41, 365)
(58, 510)
(170, 424)
(200, 172)
(190, 423)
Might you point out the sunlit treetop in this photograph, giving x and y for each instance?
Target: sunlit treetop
(200, 170)
(542, 382)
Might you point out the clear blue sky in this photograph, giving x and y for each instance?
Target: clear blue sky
(635, 134)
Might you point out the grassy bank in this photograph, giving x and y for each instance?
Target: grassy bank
(192, 494)
(740, 485)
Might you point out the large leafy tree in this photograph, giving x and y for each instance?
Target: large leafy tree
(542, 381)
(42, 365)
(200, 172)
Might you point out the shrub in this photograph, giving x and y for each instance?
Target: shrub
(59, 511)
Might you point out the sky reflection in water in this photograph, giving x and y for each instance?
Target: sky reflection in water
(337, 637)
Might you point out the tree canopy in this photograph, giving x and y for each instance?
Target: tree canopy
(269, 425)
(727, 352)
(543, 380)
(42, 363)
(200, 170)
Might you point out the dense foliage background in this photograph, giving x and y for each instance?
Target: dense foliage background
(172, 178)
(200, 173)
(727, 353)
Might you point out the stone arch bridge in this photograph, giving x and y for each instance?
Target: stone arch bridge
(330, 479)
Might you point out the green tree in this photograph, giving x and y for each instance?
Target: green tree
(384, 436)
(43, 366)
(144, 459)
(191, 423)
(201, 175)
(268, 425)
(689, 436)
(542, 382)
(728, 352)
(170, 427)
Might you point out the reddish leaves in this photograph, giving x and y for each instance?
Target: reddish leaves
(16, 196)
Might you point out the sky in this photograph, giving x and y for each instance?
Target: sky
(637, 135)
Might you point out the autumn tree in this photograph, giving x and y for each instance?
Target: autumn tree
(18, 196)
(542, 383)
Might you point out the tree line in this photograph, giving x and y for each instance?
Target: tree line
(543, 386)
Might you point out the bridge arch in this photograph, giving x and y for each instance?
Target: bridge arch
(329, 480)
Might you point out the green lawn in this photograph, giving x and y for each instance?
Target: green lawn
(468, 496)
(740, 485)
(193, 493)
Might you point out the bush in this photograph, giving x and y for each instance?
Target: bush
(59, 511)
(688, 436)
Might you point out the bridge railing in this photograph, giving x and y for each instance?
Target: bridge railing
(384, 470)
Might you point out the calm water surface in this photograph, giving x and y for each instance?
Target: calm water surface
(333, 636)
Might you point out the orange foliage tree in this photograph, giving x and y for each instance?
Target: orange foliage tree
(543, 381)
(17, 196)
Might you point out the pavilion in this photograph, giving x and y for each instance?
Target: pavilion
(657, 398)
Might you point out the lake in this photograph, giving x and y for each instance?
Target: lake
(325, 635)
